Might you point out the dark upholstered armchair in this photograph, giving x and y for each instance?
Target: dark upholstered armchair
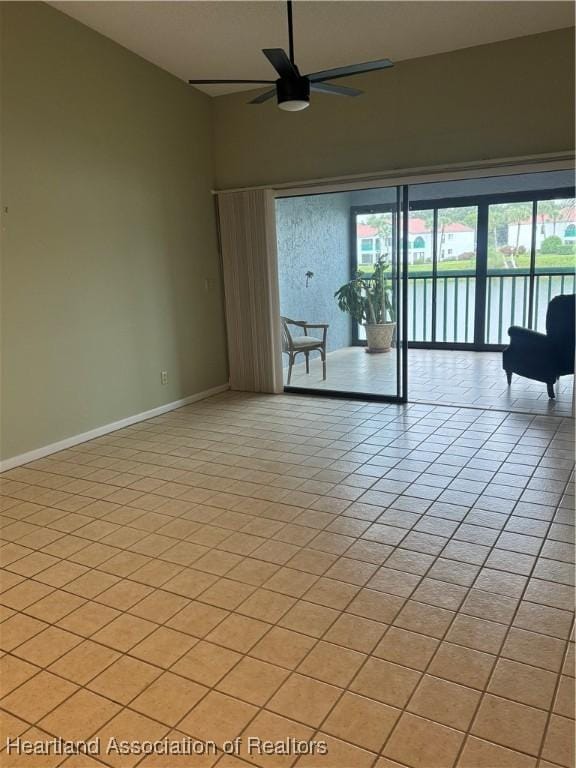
(544, 357)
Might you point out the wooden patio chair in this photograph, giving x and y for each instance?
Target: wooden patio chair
(292, 345)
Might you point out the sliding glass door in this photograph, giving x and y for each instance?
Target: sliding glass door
(341, 293)
(449, 265)
(442, 264)
(478, 265)
(531, 256)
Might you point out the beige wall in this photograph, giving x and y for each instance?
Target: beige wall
(501, 100)
(109, 236)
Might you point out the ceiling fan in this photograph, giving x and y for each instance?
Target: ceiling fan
(293, 89)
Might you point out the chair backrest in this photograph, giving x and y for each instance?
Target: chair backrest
(287, 341)
(560, 320)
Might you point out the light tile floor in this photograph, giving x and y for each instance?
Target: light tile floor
(436, 376)
(396, 581)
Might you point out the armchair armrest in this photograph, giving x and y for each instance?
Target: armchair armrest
(299, 323)
(525, 334)
(323, 326)
(532, 342)
(305, 326)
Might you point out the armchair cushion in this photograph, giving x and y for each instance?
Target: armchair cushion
(301, 342)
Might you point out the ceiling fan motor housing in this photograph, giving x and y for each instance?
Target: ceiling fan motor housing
(292, 89)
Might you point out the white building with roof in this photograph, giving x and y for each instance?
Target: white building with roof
(455, 241)
(564, 227)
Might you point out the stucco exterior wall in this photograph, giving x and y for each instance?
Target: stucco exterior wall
(314, 235)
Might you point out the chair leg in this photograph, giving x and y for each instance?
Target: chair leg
(509, 377)
(290, 364)
(323, 354)
(550, 386)
(307, 361)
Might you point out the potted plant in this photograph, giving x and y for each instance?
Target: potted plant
(367, 298)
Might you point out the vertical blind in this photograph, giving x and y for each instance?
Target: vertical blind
(248, 245)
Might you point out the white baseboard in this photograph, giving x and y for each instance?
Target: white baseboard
(69, 442)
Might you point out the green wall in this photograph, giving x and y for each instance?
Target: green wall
(501, 100)
(109, 237)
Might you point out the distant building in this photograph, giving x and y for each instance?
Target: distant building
(455, 241)
(564, 227)
(458, 241)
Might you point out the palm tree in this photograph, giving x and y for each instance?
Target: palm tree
(382, 222)
(520, 212)
(509, 215)
(553, 209)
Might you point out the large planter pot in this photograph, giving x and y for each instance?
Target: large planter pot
(379, 337)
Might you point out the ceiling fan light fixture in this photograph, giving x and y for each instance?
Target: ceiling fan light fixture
(294, 105)
(293, 94)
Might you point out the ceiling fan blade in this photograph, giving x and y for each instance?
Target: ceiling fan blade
(263, 97)
(229, 82)
(353, 69)
(337, 90)
(280, 61)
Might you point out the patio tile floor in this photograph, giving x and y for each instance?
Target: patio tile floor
(444, 377)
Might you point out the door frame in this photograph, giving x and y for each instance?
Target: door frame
(400, 287)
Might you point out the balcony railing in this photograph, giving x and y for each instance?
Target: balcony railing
(507, 303)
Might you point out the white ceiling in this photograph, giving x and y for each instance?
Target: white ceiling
(223, 39)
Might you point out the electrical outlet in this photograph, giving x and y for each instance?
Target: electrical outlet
(164, 377)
